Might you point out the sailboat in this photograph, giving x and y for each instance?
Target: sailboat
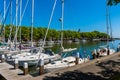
(67, 61)
(12, 47)
(4, 47)
(106, 50)
(32, 57)
(61, 20)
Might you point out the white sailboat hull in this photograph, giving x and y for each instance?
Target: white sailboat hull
(69, 50)
(32, 60)
(65, 62)
(112, 51)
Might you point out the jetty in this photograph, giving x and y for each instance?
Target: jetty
(102, 68)
(9, 73)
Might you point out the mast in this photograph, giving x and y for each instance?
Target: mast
(107, 22)
(10, 22)
(111, 35)
(62, 24)
(20, 20)
(4, 17)
(51, 16)
(32, 23)
(16, 22)
(110, 25)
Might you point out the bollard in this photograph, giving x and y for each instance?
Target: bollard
(41, 67)
(25, 68)
(3, 58)
(16, 64)
(77, 58)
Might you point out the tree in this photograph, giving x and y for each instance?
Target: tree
(113, 2)
(25, 33)
(39, 33)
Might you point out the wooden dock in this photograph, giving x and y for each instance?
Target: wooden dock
(9, 73)
(91, 68)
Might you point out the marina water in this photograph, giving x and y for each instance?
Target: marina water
(85, 48)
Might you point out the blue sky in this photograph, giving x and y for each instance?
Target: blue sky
(86, 15)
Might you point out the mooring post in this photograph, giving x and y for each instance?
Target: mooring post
(25, 68)
(16, 64)
(3, 58)
(77, 58)
(41, 67)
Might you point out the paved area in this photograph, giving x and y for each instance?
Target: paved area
(102, 69)
(93, 70)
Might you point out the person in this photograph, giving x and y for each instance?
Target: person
(108, 51)
(93, 54)
(98, 53)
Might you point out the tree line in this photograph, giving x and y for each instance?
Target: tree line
(39, 33)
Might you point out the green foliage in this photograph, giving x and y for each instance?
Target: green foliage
(39, 33)
(113, 2)
(93, 35)
(25, 32)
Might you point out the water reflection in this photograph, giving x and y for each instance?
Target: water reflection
(85, 48)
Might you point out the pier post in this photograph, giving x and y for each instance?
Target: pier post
(16, 64)
(77, 58)
(41, 66)
(3, 58)
(25, 68)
